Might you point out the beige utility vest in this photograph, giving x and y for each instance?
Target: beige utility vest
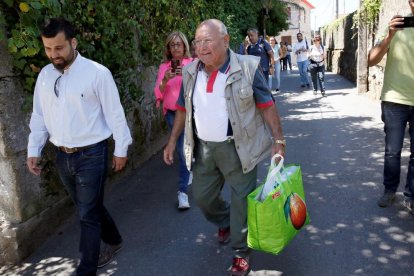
(251, 136)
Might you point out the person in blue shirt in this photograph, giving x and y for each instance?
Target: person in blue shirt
(261, 48)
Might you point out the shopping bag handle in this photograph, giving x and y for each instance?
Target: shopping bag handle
(272, 177)
(276, 168)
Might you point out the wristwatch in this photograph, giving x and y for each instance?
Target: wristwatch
(278, 141)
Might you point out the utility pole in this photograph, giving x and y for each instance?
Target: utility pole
(337, 9)
(344, 8)
(362, 52)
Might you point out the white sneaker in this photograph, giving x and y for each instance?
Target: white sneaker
(183, 201)
(190, 179)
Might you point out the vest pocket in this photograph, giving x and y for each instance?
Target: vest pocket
(245, 99)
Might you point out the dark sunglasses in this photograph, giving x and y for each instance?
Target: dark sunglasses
(56, 88)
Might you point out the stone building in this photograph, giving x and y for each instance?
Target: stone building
(299, 18)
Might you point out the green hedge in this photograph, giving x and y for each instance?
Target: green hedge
(122, 35)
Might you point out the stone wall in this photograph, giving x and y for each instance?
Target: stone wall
(341, 43)
(31, 208)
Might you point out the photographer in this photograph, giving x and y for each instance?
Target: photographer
(397, 105)
(167, 89)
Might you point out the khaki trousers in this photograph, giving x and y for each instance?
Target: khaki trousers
(216, 163)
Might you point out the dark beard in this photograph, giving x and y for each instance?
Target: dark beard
(65, 63)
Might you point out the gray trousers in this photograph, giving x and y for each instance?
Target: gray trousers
(215, 163)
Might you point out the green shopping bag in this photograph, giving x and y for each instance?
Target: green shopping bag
(274, 218)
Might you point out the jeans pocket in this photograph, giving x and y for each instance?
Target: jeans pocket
(94, 152)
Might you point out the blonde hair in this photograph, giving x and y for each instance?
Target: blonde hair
(171, 37)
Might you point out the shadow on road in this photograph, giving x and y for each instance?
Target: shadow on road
(337, 140)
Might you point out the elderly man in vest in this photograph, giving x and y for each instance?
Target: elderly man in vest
(231, 124)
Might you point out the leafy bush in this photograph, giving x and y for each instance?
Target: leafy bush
(122, 35)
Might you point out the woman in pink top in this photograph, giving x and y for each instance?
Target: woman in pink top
(167, 89)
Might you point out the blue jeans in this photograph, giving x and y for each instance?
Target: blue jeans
(184, 173)
(274, 80)
(318, 74)
(83, 173)
(289, 61)
(395, 117)
(303, 72)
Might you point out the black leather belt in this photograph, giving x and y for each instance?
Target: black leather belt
(77, 149)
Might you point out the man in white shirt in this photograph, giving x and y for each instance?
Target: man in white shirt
(76, 105)
(301, 50)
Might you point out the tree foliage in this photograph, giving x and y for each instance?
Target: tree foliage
(274, 19)
(122, 35)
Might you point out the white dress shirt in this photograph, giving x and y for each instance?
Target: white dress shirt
(86, 111)
(303, 55)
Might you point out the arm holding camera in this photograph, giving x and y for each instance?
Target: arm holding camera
(380, 49)
(168, 75)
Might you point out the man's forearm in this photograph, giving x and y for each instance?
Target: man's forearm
(272, 118)
(378, 51)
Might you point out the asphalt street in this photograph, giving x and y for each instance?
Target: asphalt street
(338, 140)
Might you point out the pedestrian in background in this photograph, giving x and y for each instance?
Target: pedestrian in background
(243, 46)
(216, 109)
(317, 65)
(260, 48)
(301, 50)
(274, 80)
(288, 55)
(76, 105)
(167, 89)
(283, 61)
(397, 105)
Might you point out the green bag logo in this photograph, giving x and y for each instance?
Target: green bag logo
(295, 208)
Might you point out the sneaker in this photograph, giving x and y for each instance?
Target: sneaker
(240, 266)
(409, 205)
(315, 92)
(308, 85)
(183, 201)
(223, 235)
(386, 199)
(107, 253)
(323, 93)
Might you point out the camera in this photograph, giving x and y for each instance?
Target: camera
(174, 64)
(408, 22)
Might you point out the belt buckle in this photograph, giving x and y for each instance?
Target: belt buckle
(69, 150)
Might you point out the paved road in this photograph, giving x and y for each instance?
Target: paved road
(338, 141)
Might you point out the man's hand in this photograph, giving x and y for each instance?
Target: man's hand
(376, 54)
(278, 148)
(395, 24)
(118, 163)
(169, 153)
(33, 165)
